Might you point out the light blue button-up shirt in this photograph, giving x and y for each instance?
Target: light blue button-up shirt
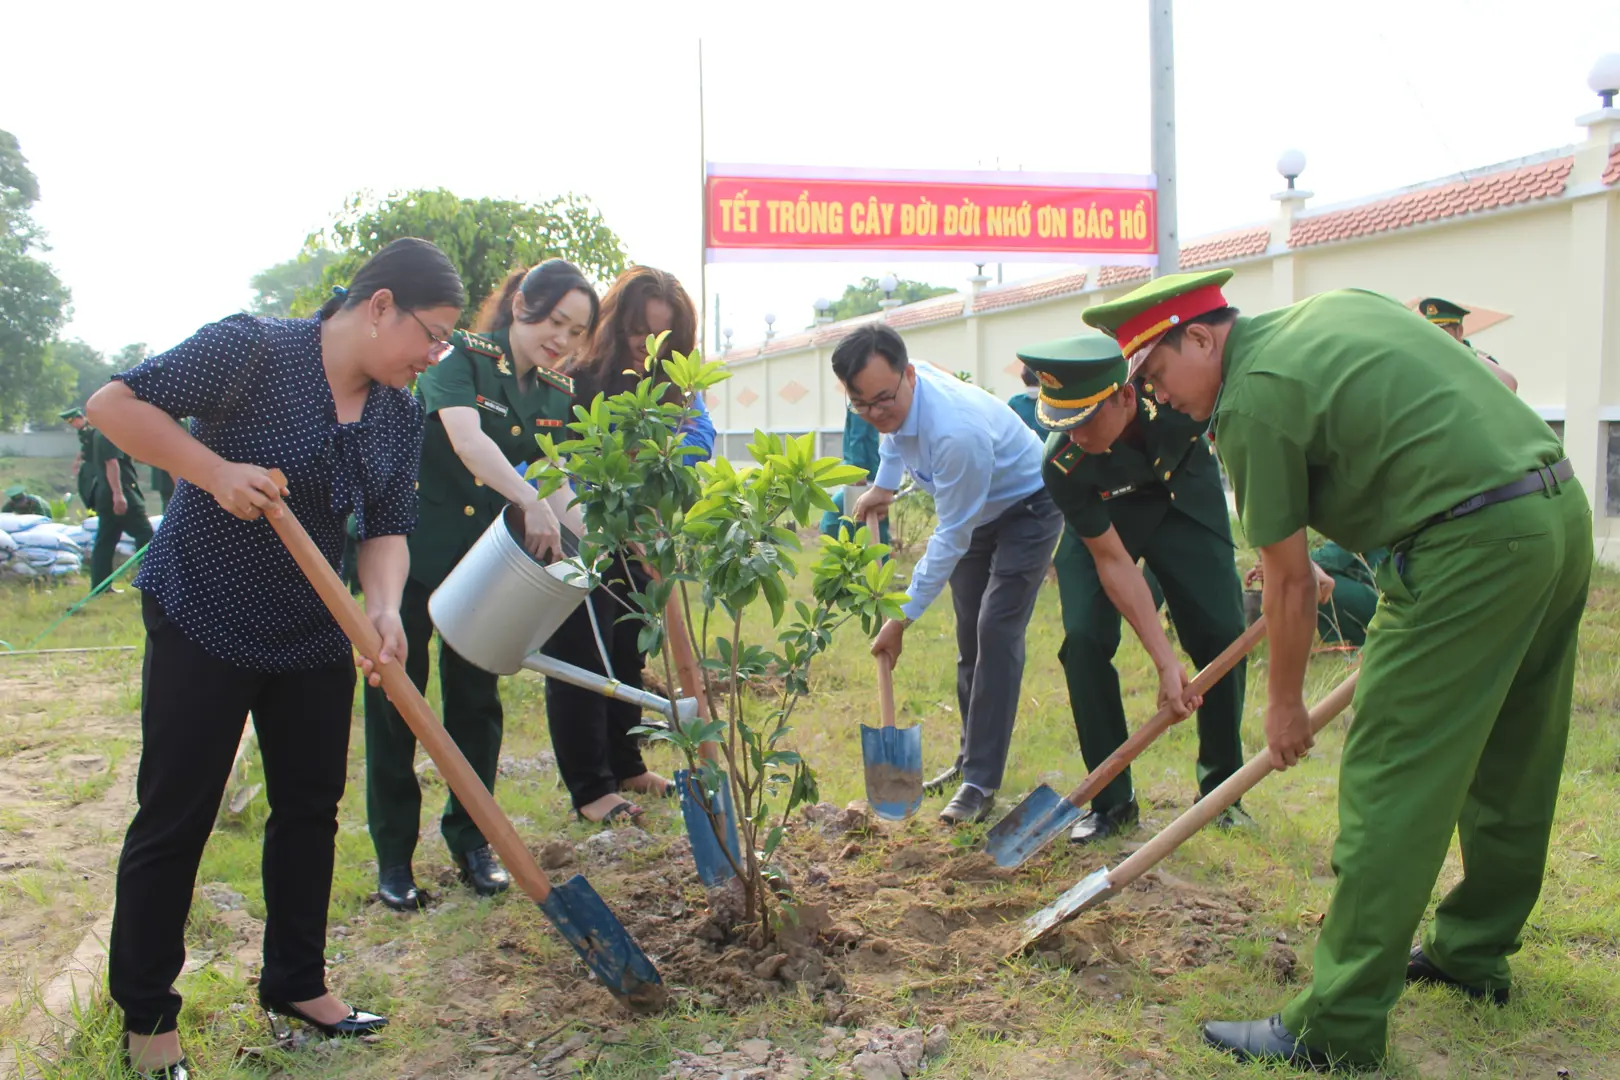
(973, 454)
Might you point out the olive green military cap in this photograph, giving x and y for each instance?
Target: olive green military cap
(1142, 316)
(1441, 312)
(15, 490)
(1077, 374)
(70, 414)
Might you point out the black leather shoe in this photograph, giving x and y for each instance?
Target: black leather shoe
(1234, 817)
(480, 869)
(396, 888)
(968, 806)
(1101, 824)
(938, 784)
(1420, 969)
(354, 1025)
(1262, 1040)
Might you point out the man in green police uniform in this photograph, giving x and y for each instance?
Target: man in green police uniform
(478, 408)
(83, 463)
(120, 509)
(1135, 481)
(19, 501)
(1347, 413)
(1449, 317)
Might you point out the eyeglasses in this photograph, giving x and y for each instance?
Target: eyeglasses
(439, 346)
(882, 401)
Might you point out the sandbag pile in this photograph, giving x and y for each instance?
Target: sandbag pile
(84, 534)
(32, 546)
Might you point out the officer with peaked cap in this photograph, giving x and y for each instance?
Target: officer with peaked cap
(1136, 482)
(1346, 413)
(1449, 317)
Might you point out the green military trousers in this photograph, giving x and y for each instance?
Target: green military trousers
(471, 714)
(110, 528)
(1345, 616)
(1195, 570)
(1461, 717)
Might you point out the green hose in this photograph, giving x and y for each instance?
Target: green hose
(112, 577)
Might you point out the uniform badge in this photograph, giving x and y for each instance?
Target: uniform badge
(502, 366)
(492, 406)
(1049, 380)
(1430, 309)
(1117, 492)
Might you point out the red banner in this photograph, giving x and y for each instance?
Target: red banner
(761, 212)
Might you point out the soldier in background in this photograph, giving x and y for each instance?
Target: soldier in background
(1449, 317)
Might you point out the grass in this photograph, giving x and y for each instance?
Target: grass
(50, 477)
(460, 980)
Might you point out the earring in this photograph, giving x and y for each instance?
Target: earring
(373, 329)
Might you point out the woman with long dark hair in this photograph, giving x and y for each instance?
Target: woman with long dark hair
(485, 403)
(596, 755)
(233, 626)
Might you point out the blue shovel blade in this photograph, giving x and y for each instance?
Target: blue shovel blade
(893, 757)
(1030, 826)
(582, 917)
(712, 866)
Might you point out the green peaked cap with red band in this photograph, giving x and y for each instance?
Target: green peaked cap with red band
(1076, 374)
(1142, 316)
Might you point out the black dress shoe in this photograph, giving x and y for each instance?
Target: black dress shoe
(1262, 1040)
(1420, 969)
(354, 1025)
(938, 784)
(396, 888)
(1101, 824)
(968, 806)
(480, 869)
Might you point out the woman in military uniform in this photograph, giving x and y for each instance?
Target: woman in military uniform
(596, 754)
(485, 403)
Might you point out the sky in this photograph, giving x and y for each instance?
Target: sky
(181, 148)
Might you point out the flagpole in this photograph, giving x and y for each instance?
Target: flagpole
(703, 191)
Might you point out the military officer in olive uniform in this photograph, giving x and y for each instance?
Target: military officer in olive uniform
(1449, 317)
(86, 468)
(162, 485)
(486, 401)
(120, 507)
(1346, 413)
(1136, 481)
(19, 501)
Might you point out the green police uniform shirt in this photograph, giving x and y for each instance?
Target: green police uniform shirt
(456, 506)
(103, 451)
(1132, 487)
(1348, 413)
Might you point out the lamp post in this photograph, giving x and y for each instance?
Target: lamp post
(1604, 79)
(888, 283)
(770, 326)
(1289, 166)
(822, 306)
(727, 346)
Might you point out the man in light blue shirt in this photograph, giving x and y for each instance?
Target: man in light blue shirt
(997, 529)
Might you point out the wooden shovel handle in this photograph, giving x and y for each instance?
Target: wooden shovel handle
(686, 666)
(885, 672)
(415, 710)
(1237, 785)
(1164, 719)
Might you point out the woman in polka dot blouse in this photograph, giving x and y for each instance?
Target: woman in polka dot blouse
(233, 627)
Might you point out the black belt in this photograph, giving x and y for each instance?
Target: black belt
(1542, 478)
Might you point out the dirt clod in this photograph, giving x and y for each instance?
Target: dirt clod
(1281, 962)
(556, 855)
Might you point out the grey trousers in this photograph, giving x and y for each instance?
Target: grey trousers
(993, 590)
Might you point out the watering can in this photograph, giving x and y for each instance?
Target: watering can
(500, 605)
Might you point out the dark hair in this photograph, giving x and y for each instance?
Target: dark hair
(608, 366)
(417, 273)
(1030, 378)
(850, 357)
(543, 288)
(1218, 317)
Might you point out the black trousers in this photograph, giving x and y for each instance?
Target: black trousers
(591, 733)
(192, 710)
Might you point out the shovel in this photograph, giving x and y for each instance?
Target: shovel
(1101, 885)
(893, 755)
(1039, 819)
(709, 814)
(574, 908)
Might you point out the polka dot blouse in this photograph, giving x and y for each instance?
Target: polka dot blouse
(256, 392)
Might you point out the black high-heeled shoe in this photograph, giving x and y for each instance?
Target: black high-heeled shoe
(357, 1023)
(178, 1070)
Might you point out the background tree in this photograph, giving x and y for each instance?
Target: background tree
(33, 302)
(276, 288)
(484, 238)
(862, 299)
(91, 368)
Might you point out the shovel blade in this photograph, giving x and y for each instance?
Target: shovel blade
(1030, 826)
(607, 948)
(712, 866)
(1088, 892)
(894, 784)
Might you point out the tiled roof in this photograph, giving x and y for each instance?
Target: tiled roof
(1611, 175)
(1242, 244)
(1119, 275)
(923, 312)
(1030, 291)
(1494, 191)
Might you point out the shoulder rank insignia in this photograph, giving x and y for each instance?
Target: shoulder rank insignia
(1067, 458)
(475, 343)
(557, 379)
